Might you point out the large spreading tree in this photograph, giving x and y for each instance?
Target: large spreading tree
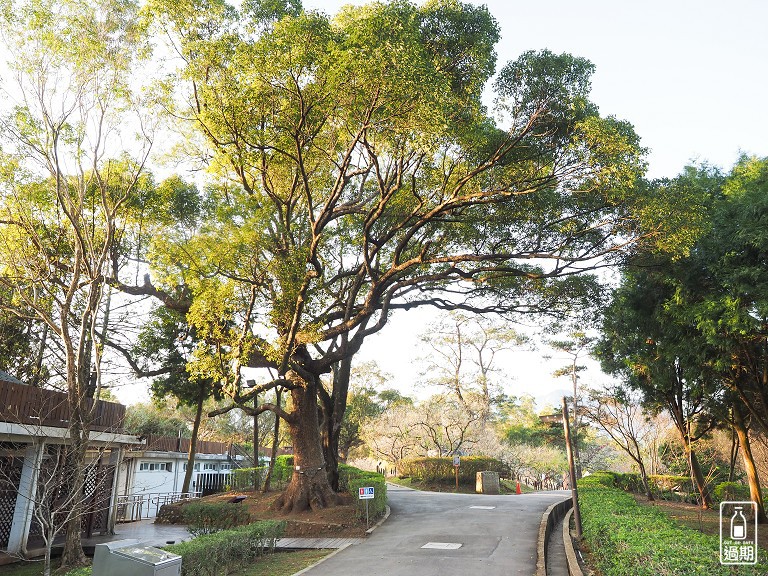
(356, 171)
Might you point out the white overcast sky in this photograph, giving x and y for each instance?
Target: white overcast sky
(689, 75)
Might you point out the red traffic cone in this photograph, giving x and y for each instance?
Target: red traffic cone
(517, 490)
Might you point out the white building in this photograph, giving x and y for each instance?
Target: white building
(154, 475)
(34, 428)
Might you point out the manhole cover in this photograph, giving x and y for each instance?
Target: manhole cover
(443, 545)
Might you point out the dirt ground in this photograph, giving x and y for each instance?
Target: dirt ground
(338, 522)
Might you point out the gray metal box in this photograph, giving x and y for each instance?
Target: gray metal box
(129, 558)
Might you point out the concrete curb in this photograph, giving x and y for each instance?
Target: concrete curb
(570, 553)
(380, 522)
(550, 517)
(323, 559)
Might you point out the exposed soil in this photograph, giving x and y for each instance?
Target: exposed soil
(337, 522)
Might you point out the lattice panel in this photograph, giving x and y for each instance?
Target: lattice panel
(7, 505)
(10, 474)
(98, 489)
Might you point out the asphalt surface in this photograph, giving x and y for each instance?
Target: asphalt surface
(494, 541)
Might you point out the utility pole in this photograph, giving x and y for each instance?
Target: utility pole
(572, 469)
(575, 376)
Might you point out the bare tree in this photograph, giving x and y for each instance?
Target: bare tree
(392, 436)
(576, 346)
(463, 354)
(62, 198)
(42, 480)
(619, 413)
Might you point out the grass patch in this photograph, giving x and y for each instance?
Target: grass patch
(25, 568)
(283, 563)
(627, 539)
(510, 487)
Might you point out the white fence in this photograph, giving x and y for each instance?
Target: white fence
(146, 505)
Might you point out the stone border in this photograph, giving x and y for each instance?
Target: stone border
(323, 559)
(551, 516)
(574, 569)
(380, 522)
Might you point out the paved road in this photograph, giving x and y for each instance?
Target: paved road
(494, 542)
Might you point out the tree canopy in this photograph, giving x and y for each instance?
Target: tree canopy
(353, 171)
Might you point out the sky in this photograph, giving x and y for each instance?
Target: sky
(689, 75)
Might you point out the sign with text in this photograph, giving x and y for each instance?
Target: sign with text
(738, 533)
(365, 493)
(456, 460)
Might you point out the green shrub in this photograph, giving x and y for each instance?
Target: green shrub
(629, 482)
(245, 478)
(440, 469)
(730, 491)
(283, 471)
(663, 482)
(627, 539)
(351, 479)
(227, 550)
(206, 518)
(601, 478)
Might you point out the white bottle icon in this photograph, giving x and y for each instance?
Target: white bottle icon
(738, 525)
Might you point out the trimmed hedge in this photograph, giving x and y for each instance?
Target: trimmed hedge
(351, 479)
(245, 478)
(440, 469)
(242, 478)
(627, 539)
(223, 552)
(206, 518)
(731, 491)
(666, 482)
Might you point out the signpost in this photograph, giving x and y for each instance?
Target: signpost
(365, 493)
(456, 464)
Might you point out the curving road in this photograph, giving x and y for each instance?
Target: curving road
(498, 538)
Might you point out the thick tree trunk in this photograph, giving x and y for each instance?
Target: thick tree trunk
(193, 445)
(333, 413)
(309, 486)
(330, 440)
(755, 494)
(275, 444)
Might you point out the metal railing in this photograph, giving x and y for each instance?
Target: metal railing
(133, 507)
